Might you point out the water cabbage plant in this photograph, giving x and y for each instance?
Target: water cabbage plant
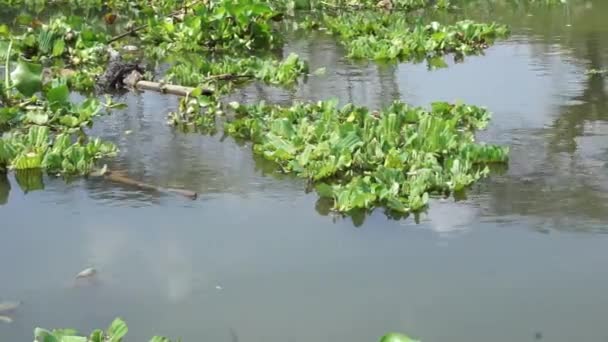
(369, 35)
(395, 157)
(114, 333)
(118, 329)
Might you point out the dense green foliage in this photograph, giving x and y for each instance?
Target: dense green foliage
(390, 36)
(196, 71)
(362, 159)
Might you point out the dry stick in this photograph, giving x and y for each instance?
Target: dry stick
(128, 181)
(178, 89)
(168, 88)
(226, 77)
(141, 27)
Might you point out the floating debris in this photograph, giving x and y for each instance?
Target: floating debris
(9, 306)
(87, 273)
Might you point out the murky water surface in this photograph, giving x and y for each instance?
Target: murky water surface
(255, 258)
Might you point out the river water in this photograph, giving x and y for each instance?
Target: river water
(255, 258)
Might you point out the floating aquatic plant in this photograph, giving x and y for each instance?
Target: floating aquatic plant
(38, 149)
(376, 36)
(230, 70)
(395, 157)
(114, 333)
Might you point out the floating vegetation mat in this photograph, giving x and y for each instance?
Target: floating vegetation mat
(395, 157)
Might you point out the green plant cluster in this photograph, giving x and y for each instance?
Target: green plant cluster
(65, 43)
(395, 157)
(118, 329)
(197, 71)
(42, 128)
(397, 5)
(370, 35)
(224, 25)
(37, 149)
(196, 112)
(114, 333)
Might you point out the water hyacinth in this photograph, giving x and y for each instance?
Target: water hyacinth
(370, 35)
(395, 157)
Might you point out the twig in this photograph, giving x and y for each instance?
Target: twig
(226, 77)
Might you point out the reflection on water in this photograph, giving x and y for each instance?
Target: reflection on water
(256, 258)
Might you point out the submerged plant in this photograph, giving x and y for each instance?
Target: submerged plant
(395, 157)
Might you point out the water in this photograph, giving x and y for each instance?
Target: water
(255, 258)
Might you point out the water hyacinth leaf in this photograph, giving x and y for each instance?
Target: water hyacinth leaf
(69, 121)
(37, 117)
(3, 50)
(159, 339)
(58, 47)
(73, 339)
(43, 335)
(117, 330)
(27, 78)
(96, 336)
(28, 160)
(58, 94)
(4, 31)
(38, 136)
(397, 337)
(68, 335)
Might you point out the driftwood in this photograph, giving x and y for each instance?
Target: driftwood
(115, 177)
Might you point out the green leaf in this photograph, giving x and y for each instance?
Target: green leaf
(397, 337)
(28, 160)
(58, 47)
(73, 339)
(27, 78)
(38, 136)
(117, 330)
(96, 336)
(43, 335)
(60, 333)
(69, 121)
(159, 339)
(58, 94)
(4, 31)
(38, 118)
